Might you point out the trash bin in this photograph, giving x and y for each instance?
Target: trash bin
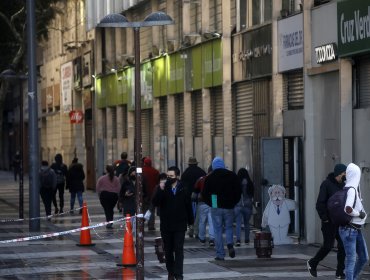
(263, 243)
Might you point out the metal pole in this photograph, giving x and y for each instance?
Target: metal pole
(139, 189)
(34, 203)
(21, 149)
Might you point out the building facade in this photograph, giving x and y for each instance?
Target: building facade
(279, 87)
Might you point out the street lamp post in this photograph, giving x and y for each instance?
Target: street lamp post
(120, 21)
(12, 76)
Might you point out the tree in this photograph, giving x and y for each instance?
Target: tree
(13, 41)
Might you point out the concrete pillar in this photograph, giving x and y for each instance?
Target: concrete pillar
(188, 124)
(346, 115)
(186, 17)
(277, 79)
(109, 128)
(205, 15)
(207, 138)
(156, 132)
(171, 130)
(226, 86)
(311, 141)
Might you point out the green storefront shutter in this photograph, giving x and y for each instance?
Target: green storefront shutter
(217, 63)
(130, 73)
(207, 61)
(180, 72)
(171, 71)
(111, 84)
(121, 88)
(196, 57)
(100, 93)
(157, 75)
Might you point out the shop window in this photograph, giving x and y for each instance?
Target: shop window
(290, 7)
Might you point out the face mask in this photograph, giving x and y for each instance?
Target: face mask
(133, 177)
(171, 180)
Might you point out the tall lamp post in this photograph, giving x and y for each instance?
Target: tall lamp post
(13, 77)
(120, 21)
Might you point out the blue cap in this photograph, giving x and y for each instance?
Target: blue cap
(218, 163)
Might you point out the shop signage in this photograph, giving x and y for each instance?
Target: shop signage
(326, 53)
(76, 116)
(290, 32)
(66, 71)
(353, 27)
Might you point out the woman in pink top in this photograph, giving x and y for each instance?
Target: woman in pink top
(108, 187)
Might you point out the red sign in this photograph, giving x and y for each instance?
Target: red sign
(76, 116)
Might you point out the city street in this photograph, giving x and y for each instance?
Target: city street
(58, 257)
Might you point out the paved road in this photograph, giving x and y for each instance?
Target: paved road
(59, 258)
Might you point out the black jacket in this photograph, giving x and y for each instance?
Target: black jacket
(128, 202)
(75, 178)
(190, 176)
(226, 185)
(328, 187)
(175, 211)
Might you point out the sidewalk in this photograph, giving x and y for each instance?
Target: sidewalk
(59, 257)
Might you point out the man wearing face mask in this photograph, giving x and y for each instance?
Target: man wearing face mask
(175, 212)
(333, 183)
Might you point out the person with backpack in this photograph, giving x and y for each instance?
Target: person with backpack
(48, 182)
(121, 166)
(60, 170)
(333, 183)
(75, 183)
(351, 234)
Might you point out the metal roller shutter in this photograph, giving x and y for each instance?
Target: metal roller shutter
(147, 132)
(124, 133)
(364, 73)
(114, 122)
(243, 109)
(293, 90)
(163, 111)
(197, 113)
(217, 112)
(179, 115)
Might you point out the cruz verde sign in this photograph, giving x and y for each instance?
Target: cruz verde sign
(353, 27)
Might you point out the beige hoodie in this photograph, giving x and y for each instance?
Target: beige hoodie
(353, 176)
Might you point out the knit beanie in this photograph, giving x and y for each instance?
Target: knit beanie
(339, 168)
(218, 163)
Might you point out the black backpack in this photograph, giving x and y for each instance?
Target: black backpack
(336, 204)
(60, 176)
(46, 179)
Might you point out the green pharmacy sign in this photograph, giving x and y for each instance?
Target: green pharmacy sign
(353, 27)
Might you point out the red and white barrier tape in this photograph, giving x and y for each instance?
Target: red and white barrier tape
(62, 232)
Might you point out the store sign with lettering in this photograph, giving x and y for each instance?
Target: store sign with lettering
(76, 116)
(353, 27)
(326, 53)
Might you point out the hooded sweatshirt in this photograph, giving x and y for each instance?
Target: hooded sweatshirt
(353, 176)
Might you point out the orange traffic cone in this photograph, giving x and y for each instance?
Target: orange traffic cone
(128, 253)
(85, 238)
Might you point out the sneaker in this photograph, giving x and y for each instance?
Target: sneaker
(237, 243)
(219, 259)
(212, 243)
(202, 241)
(71, 211)
(340, 276)
(61, 211)
(56, 211)
(247, 242)
(231, 250)
(311, 270)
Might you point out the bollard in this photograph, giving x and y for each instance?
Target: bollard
(263, 243)
(159, 250)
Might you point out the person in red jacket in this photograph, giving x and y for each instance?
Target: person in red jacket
(150, 181)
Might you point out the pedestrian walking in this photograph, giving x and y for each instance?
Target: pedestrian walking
(108, 188)
(204, 213)
(222, 192)
(244, 208)
(16, 164)
(127, 194)
(60, 170)
(333, 182)
(175, 215)
(191, 174)
(48, 184)
(122, 165)
(353, 239)
(150, 181)
(75, 183)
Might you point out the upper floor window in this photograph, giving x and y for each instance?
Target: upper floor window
(291, 7)
(253, 12)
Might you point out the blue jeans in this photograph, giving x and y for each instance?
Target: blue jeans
(204, 216)
(354, 243)
(244, 213)
(222, 218)
(73, 198)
